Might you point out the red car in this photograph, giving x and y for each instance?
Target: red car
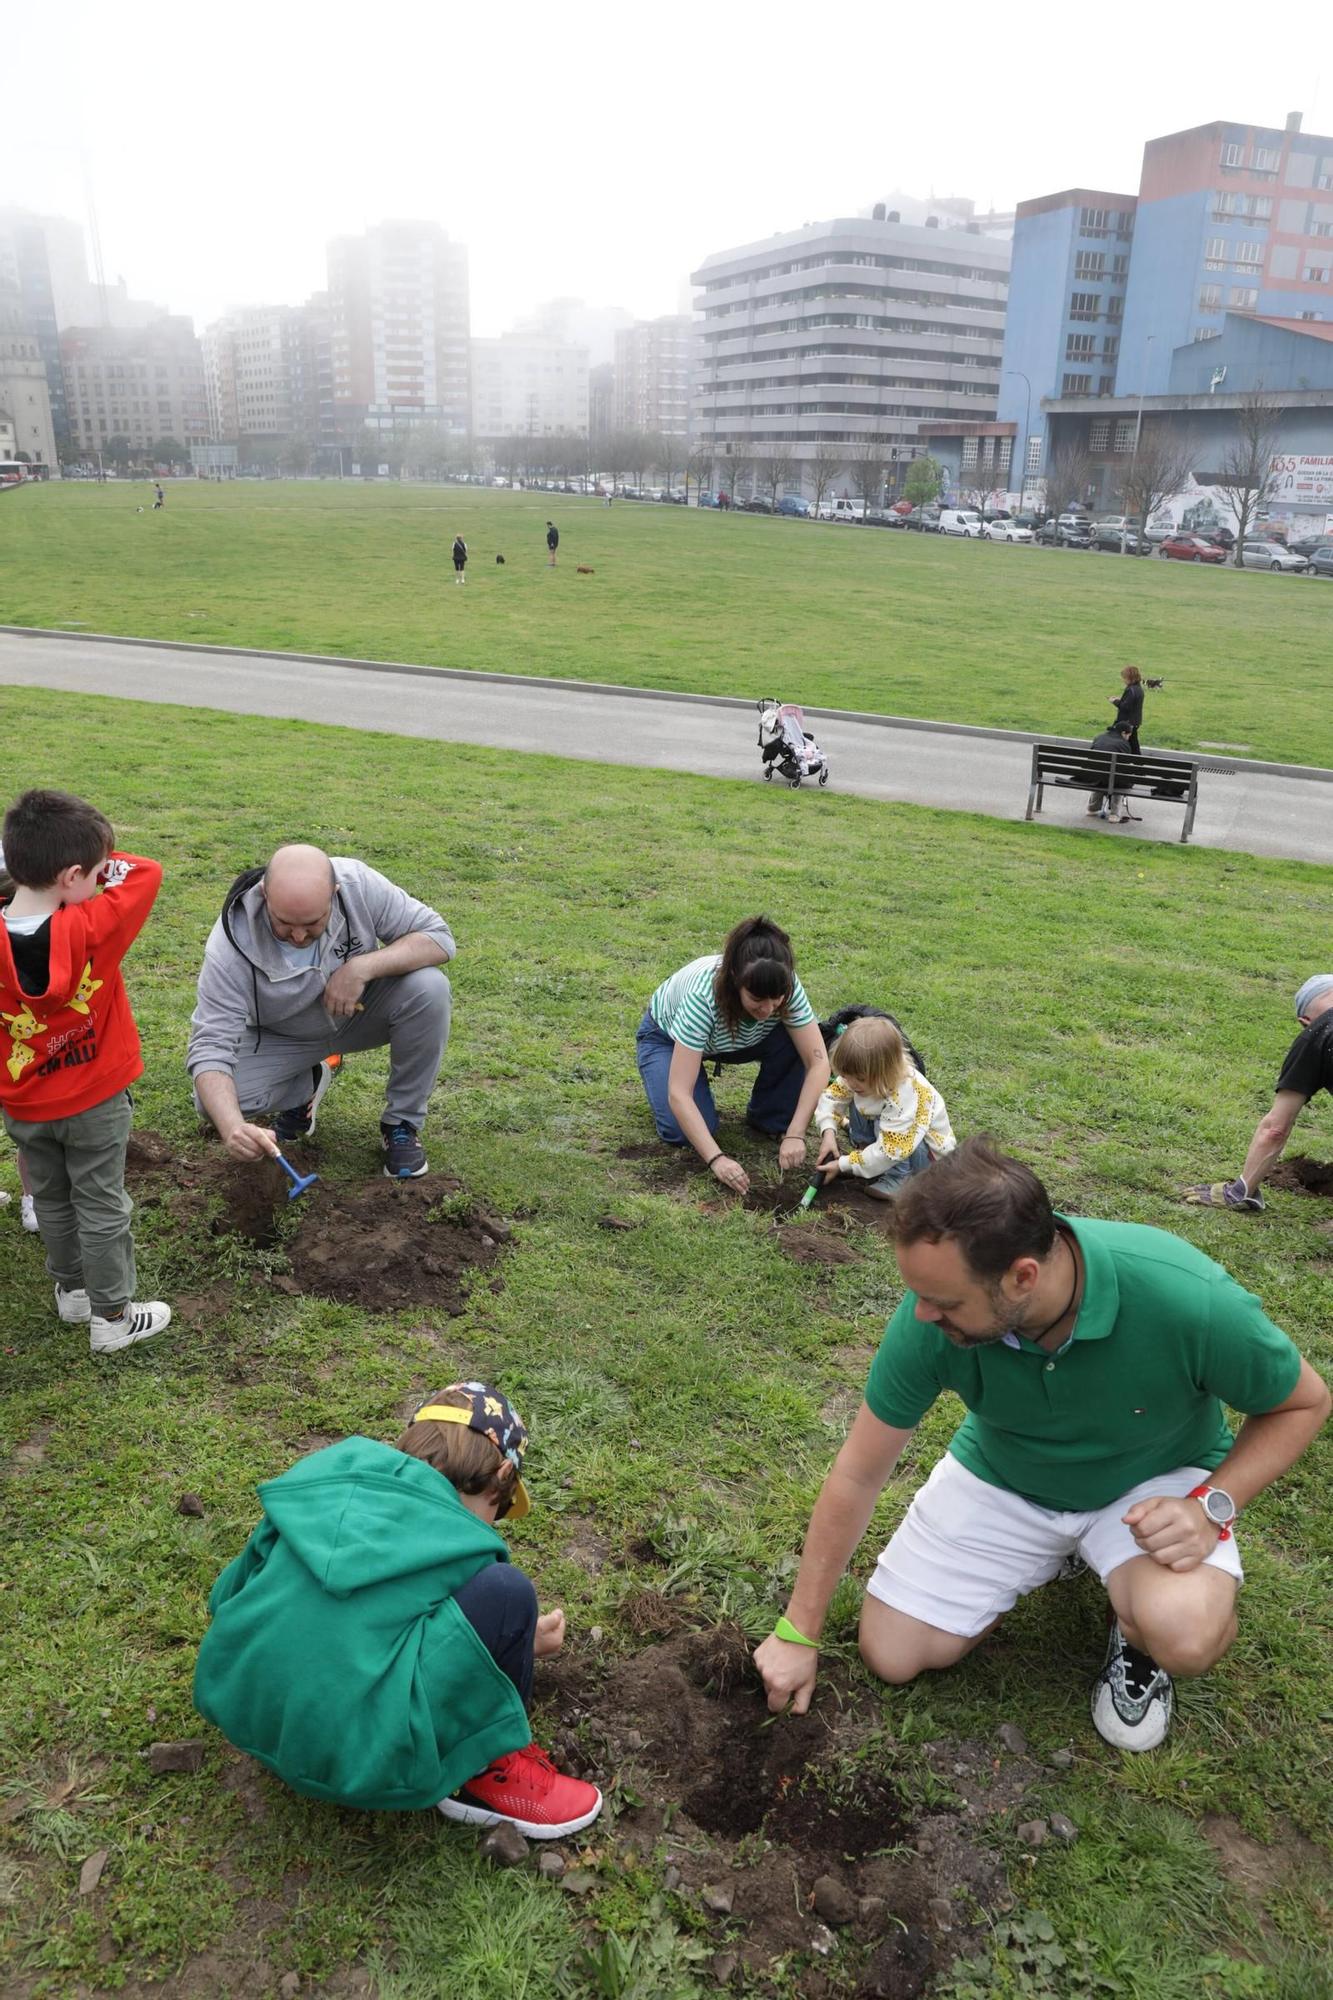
(1192, 548)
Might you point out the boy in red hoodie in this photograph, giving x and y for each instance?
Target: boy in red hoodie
(69, 1050)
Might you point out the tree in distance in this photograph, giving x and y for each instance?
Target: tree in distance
(1160, 467)
(870, 466)
(777, 468)
(1248, 473)
(924, 482)
(823, 467)
(1069, 474)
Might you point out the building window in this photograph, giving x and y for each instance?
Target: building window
(1249, 253)
(1266, 160)
(1215, 253)
(969, 454)
(1210, 298)
(1034, 454)
(1083, 305)
(1312, 315)
(1233, 156)
(1243, 298)
(1207, 332)
(1124, 434)
(1106, 385)
(1095, 219)
(1099, 434)
(1079, 345)
(1090, 264)
(1316, 274)
(1076, 385)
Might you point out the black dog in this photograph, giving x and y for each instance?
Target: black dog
(499, 559)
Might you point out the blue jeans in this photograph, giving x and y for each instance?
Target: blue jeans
(500, 1605)
(776, 1093)
(862, 1132)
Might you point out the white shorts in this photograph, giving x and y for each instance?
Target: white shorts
(967, 1551)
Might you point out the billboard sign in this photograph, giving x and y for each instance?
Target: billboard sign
(1303, 480)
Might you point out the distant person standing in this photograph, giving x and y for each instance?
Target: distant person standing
(552, 542)
(460, 559)
(1129, 705)
(159, 497)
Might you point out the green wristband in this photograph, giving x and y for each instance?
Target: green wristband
(784, 1629)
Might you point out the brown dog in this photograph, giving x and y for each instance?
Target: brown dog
(583, 570)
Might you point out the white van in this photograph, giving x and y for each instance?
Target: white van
(960, 521)
(837, 510)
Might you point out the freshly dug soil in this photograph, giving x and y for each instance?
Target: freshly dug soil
(1302, 1175)
(379, 1244)
(766, 1806)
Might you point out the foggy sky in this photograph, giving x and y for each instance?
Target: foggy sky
(598, 150)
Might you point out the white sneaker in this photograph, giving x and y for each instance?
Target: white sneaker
(28, 1214)
(74, 1307)
(137, 1322)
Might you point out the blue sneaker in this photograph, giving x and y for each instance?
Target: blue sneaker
(404, 1155)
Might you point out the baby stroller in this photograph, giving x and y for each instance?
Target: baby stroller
(785, 747)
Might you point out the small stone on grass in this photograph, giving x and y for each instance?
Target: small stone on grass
(1064, 1829)
(833, 1900)
(578, 1881)
(718, 1898)
(91, 1872)
(1012, 1739)
(166, 1757)
(504, 1845)
(1033, 1832)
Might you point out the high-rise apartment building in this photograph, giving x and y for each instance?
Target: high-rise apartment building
(399, 328)
(847, 335)
(1067, 285)
(26, 269)
(25, 403)
(1231, 218)
(652, 378)
(526, 387)
(141, 384)
(268, 375)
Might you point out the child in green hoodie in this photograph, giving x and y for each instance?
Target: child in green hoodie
(372, 1643)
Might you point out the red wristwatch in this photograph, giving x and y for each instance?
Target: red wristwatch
(1218, 1506)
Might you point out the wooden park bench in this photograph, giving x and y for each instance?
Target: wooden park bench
(1077, 768)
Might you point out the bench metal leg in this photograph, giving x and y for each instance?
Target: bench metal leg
(1188, 827)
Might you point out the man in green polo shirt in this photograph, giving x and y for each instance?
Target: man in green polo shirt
(1094, 1359)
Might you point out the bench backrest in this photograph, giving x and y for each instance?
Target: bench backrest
(1053, 761)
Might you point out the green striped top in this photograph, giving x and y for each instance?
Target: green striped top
(684, 1008)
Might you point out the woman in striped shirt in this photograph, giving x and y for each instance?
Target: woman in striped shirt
(743, 1004)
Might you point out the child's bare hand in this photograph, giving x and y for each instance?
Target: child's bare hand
(550, 1633)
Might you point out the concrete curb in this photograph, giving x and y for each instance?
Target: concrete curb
(1315, 774)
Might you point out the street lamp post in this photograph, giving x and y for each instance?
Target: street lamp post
(1027, 419)
(1138, 433)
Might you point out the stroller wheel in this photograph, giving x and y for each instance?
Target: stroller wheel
(795, 784)
(768, 774)
(823, 777)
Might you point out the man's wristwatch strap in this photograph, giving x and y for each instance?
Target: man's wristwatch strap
(1201, 1494)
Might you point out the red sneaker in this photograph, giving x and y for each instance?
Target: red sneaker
(526, 1789)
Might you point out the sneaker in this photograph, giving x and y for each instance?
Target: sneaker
(1131, 1697)
(404, 1154)
(527, 1791)
(297, 1121)
(137, 1322)
(28, 1214)
(1225, 1194)
(74, 1306)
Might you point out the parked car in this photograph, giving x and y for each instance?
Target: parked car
(1271, 555)
(1066, 533)
(1158, 532)
(756, 504)
(793, 505)
(963, 521)
(1006, 531)
(1114, 535)
(1032, 521)
(1221, 538)
(1191, 548)
(1321, 562)
(1310, 545)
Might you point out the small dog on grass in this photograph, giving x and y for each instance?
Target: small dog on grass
(499, 559)
(583, 570)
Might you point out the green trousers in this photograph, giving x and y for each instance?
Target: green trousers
(77, 1168)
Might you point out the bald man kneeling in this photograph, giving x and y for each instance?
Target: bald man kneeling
(317, 956)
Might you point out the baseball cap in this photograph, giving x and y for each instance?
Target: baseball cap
(492, 1416)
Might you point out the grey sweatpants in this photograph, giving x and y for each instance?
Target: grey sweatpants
(77, 1166)
(410, 1012)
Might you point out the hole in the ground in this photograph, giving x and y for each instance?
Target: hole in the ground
(1302, 1175)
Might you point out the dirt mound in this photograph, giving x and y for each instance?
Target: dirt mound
(379, 1244)
(816, 1246)
(755, 1809)
(1301, 1175)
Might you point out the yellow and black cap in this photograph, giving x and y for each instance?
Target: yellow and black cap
(492, 1416)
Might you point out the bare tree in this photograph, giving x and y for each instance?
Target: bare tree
(979, 489)
(1248, 475)
(1161, 465)
(777, 468)
(1069, 474)
(615, 455)
(870, 465)
(699, 467)
(823, 466)
(737, 468)
(671, 458)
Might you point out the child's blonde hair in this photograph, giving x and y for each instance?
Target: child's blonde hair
(872, 1052)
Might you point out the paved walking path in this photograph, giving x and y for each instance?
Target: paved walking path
(1275, 810)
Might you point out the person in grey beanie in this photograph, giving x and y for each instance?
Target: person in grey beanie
(1307, 1070)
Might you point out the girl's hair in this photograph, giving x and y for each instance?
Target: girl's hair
(468, 1460)
(872, 1052)
(1131, 675)
(756, 955)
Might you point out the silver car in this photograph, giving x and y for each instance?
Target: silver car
(1271, 555)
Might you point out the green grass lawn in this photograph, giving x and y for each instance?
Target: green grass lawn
(1115, 1015)
(737, 604)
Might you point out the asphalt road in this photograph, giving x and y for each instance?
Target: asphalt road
(1251, 812)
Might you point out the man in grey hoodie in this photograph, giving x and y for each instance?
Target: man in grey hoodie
(316, 956)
